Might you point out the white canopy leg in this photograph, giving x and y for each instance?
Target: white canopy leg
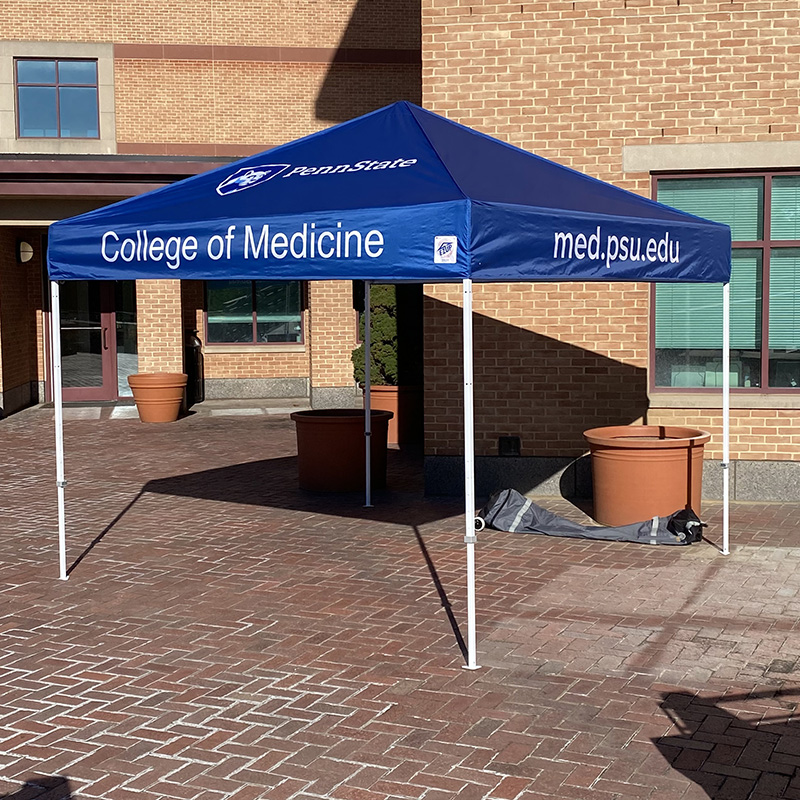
(470, 536)
(367, 396)
(55, 349)
(726, 415)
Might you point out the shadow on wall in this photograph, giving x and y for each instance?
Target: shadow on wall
(53, 787)
(534, 398)
(750, 749)
(378, 61)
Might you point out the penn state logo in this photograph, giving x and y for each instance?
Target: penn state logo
(248, 177)
(445, 249)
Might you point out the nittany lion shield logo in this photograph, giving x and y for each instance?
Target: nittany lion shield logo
(248, 177)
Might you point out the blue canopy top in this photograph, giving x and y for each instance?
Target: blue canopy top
(400, 194)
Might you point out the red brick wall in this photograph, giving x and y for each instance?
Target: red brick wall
(575, 82)
(20, 297)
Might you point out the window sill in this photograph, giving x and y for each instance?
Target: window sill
(288, 347)
(714, 400)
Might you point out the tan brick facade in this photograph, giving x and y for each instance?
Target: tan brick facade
(158, 306)
(332, 336)
(578, 82)
(226, 79)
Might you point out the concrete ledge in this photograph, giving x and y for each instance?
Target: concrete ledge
(756, 481)
(266, 388)
(18, 398)
(335, 397)
(767, 480)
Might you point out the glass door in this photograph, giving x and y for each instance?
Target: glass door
(88, 340)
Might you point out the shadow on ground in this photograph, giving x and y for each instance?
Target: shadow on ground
(53, 787)
(736, 745)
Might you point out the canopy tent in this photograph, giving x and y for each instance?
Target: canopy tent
(397, 195)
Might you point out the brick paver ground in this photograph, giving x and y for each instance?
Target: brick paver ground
(224, 636)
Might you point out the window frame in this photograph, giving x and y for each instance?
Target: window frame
(57, 85)
(254, 344)
(766, 245)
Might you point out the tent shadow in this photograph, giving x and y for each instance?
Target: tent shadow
(273, 483)
(377, 61)
(735, 745)
(53, 787)
(535, 389)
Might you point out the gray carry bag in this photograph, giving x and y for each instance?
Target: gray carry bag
(508, 510)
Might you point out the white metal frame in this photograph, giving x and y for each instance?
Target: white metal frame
(58, 402)
(367, 394)
(470, 537)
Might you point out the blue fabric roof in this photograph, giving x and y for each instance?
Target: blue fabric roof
(400, 194)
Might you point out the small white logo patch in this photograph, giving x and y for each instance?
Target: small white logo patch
(445, 249)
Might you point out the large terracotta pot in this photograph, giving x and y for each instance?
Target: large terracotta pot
(405, 403)
(158, 395)
(643, 471)
(331, 450)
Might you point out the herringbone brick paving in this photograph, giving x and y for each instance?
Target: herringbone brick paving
(224, 636)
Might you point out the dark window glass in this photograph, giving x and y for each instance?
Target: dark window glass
(57, 98)
(251, 312)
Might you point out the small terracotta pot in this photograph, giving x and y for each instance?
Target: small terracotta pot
(158, 395)
(331, 449)
(405, 402)
(643, 471)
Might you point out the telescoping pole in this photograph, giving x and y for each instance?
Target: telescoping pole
(470, 536)
(726, 416)
(55, 349)
(367, 396)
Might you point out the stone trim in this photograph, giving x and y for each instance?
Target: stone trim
(706, 156)
(255, 388)
(283, 55)
(103, 53)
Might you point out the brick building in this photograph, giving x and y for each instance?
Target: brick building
(694, 103)
(102, 101)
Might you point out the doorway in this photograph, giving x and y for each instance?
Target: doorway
(98, 339)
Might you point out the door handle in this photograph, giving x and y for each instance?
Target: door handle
(105, 339)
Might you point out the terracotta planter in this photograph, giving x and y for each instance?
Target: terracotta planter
(158, 395)
(405, 402)
(643, 471)
(331, 453)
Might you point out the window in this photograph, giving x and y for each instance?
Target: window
(763, 212)
(254, 312)
(57, 98)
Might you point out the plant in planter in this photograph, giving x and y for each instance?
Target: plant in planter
(396, 356)
(383, 334)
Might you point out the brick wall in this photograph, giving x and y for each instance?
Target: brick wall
(302, 23)
(159, 329)
(541, 379)
(208, 78)
(331, 334)
(245, 102)
(20, 297)
(576, 82)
